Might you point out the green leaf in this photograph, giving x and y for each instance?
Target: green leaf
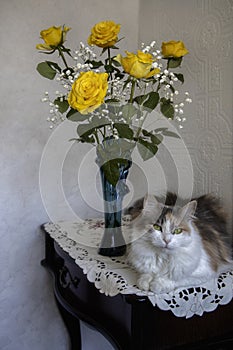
(160, 129)
(114, 47)
(115, 148)
(156, 140)
(46, 70)
(140, 99)
(76, 116)
(109, 68)
(114, 108)
(103, 51)
(152, 100)
(174, 62)
(128, 111)
(54, 65)
(85, 131)
(126, 146)
(167, 108)
(159, 137)
(146, 149)
(171, 134)
(124, 130)
(119, 75)
(74, 139)
(99, 122)
(111, 171)
(87, 139)
(146, 133)
(62, 105)
(180, 77)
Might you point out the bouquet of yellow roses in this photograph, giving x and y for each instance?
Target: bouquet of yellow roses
(109, 98)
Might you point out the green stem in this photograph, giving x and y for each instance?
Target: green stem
(97, 137)
(110, 64)
(62, 56)
(158, 87)
(140, 125)
(102, 133)
(132, 90)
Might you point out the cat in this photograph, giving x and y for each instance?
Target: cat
(182, 245)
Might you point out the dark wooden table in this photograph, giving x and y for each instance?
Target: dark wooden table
(129, 322)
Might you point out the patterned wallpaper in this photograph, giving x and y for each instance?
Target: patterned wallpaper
(206, 27)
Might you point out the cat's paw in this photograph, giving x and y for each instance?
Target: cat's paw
(144, 281)
(160, 285)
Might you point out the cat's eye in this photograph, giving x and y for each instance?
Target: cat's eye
(177, 231)
(157, 227)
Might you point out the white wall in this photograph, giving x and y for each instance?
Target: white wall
(29, 318)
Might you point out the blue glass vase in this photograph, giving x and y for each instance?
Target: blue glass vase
(114, 161)
(113, 243)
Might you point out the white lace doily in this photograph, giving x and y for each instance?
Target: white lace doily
(112, 276)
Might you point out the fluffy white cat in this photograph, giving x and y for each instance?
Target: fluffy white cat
(181, 246)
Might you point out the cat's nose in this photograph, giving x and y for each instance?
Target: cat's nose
(167, 240)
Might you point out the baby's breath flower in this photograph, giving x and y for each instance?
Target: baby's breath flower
(119, 86)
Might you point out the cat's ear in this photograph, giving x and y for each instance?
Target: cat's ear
(151, 207)
(188, 211)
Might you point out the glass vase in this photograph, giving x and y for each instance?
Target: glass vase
(113, 243)
(114, 161)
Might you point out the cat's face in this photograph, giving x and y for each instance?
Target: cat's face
(171, 228)
(170, 232)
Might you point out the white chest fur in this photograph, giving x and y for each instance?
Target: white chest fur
(180, 266)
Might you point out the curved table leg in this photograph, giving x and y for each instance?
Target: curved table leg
(73, 326)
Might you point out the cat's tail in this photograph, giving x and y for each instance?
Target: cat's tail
(210, 211)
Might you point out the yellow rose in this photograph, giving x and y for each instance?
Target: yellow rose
(174, 49)
(138, 65)
(53, 37)
(88, 91)
(104, 34)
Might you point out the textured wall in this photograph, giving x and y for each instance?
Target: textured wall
(206, 27)
(29, 318)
